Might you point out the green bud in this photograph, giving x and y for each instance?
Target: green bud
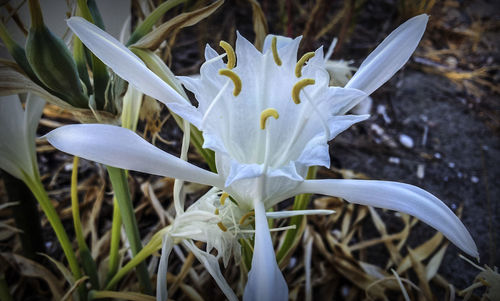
(51, 60)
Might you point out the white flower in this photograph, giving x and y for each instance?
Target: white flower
(268, 119)
(17, 136)
(212, 220)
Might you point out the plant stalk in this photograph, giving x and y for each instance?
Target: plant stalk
(118, 179)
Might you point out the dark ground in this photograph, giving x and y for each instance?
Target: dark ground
(461, 156)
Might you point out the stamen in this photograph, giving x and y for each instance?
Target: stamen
(223, 198)
(301, 62)
(216, 211)
(266, 114)
(276, 57)
(299, 86)
(222, 227)
(247, 215)
(231, 56)
(235, 78)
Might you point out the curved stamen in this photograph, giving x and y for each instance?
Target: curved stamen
(235, 78)
(301, 62)
(274, 48)
(266, 114)
(216, 211)
(246, 216)
(231, 56)
(222, 227)
(299, 86)
(223, 198)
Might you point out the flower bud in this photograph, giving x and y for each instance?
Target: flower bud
(51, 60)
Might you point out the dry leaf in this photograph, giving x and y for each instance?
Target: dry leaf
(153, 39)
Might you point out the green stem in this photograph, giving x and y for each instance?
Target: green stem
(153, 246)
(40, 194)
(292, 237)
(4, 290)
(36, 14)
(119, 295)
(88, 262)
(118, 179)
(114, 256)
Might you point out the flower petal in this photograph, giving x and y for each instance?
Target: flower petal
(161, 281)
(400, 197)
(389, 56)
(212, 265)
(129, 67)
(284, 214)
(265, 280)
(122, 148)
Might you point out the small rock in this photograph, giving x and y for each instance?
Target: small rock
(420, 171)
(474, 179)
(425, 134)
(292, 263)
(382, 111)
(406, 141)
(394, 160)
(377, 129)
(451, 165)
(437, 156)
(68, 167)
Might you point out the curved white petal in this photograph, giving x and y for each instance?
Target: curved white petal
(389, 56)
(161, 281)
(129, 67)
(17, 135)
(284, 214)
(400, 197)
(122, 148)
(265, 280)
(212, 265)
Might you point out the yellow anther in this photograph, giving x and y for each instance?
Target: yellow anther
(299, 86)
(222, 227)
(231, 57)
(301, 62)
(274, 48)
(266, 114)
(223, 198)
(216, 211)
(247, 215)
(235, 78)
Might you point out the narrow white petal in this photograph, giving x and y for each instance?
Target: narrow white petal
(389, 56)
(285, 214)
(122, 148)
(265, 280)
(400, 197)
(128, 66)
(161, 281)
(212, 265)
